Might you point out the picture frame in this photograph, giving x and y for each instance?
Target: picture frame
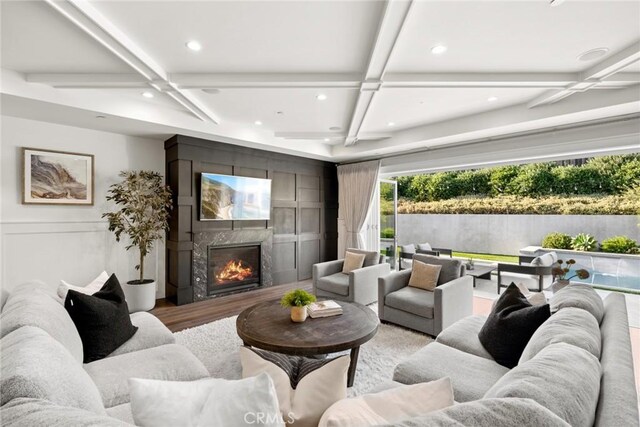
(52, 177)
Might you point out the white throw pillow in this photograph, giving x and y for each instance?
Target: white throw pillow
(94, 286)
(314, 393)
(390, 406)
(205, 403)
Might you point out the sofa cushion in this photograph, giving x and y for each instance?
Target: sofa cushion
(580, 296)
(371, 257)
(335, 283)
(424, 247)
(122, 413)
(23, 412)
(471, 376)
(563, 378)
(488, 412)
(89, 289)
(463, 335)
(530, 281)
(545, 260)
(169, 362)
(571, 325)
(510, 325)
(412, 300)
(34, 305)
(102, 319)
(34, 365)
(451, 268)
(408, 249)
(151, 333)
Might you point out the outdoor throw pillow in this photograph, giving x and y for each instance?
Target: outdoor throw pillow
(305, 387)
(424, 276)
(89, 289)
(102, 319)
(352, 261)
(510, 325)
(204, 403)
(390, 406)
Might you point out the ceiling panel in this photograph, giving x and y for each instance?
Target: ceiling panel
(36, 38)
(408, 108)
(512, 36)
(285, 36)
(301, 111)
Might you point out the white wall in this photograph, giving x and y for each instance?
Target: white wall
(69, 242)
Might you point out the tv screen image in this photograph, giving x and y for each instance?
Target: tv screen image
(226, 197)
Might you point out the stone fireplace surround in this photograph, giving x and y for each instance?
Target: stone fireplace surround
(201, 243)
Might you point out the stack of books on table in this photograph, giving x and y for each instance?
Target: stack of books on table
(324, 309)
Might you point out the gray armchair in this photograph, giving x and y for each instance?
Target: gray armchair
(359, 286)
(422, 310)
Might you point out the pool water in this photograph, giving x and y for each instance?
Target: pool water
(611, 272)
(611, 280)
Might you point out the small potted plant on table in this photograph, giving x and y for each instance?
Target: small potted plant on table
(143, 211)
(560, 274)
(298, 300)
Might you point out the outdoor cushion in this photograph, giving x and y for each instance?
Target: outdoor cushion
(572, 326)
(371, 257)
(545, 260)
(33, 304)
(336, 283)
(451, 268)
(488, 412)
(151, 333)
(408, 249)
(580, 296)
(563, 378)
(34, 365)
(471, 376)
(412, 300)
(169, 362)
(531, 281)
(463, 335)
(424, 247)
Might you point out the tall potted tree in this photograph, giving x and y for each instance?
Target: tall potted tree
(143, 203)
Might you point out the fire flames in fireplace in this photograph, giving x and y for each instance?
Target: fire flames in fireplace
(234, 271)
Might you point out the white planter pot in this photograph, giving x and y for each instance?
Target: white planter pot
(140, 297)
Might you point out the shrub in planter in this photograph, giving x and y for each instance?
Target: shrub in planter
(584, 242)
(557, 241)
(387, 233)
(619, 245)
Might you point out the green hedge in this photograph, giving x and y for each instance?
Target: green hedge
(610, 175)
(518, 205)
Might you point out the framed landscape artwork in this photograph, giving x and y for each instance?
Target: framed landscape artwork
(57, 177)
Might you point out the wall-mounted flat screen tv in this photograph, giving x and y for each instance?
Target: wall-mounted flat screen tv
(225, 197)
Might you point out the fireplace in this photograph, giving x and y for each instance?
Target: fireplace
(233, 267)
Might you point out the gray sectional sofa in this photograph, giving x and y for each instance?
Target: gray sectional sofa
(577, 367)
(44, 381)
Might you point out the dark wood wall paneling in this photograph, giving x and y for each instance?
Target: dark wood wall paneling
(304, 208)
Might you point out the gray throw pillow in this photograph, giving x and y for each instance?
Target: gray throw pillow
(570, 325)
(563, 378)
(579, 296)
(488, 412)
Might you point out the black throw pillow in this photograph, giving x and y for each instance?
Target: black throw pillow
(102, 319)
(510, 325)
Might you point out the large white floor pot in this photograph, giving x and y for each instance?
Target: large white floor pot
(140, 297)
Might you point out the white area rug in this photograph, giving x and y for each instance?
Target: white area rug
(216, 345)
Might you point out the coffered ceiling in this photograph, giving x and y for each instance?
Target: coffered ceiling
(335, 80)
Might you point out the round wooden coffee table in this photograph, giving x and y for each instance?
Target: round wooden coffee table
(268, 326)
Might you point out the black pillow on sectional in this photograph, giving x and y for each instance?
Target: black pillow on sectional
(102, 319)
(510, 325)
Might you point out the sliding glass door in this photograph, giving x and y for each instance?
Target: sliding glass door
(388, 220)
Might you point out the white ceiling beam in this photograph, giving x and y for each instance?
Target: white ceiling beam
(593, 77)
(265, 80)
(393, 20)
(82, 14)
(489, 80)
(88, 80)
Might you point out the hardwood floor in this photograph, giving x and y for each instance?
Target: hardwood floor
(177, 318)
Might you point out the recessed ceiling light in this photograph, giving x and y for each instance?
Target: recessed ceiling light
(335, 128)
(439, 49)
(492, 98)
(280, 113)
(101, 117)
(258, 123)
(592, 54)
(194, 45)
(147, 94)
(391, 124)
(556, 2)
(327, 140)
(321, 97)
(211, 91)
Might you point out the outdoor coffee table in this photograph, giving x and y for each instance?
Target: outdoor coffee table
(481, 272)
(268, 326)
